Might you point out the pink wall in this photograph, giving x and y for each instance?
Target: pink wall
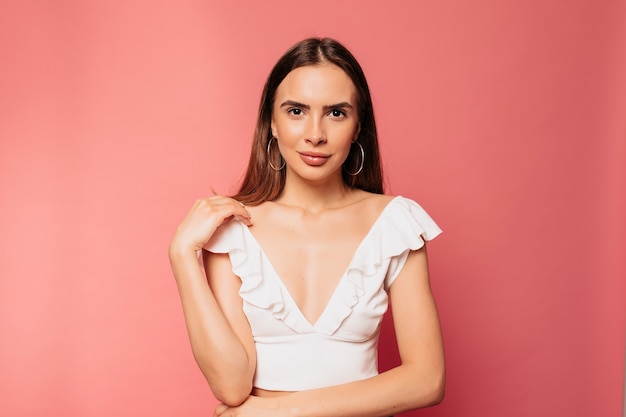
(504, 119)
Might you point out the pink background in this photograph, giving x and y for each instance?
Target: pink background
(504, 119)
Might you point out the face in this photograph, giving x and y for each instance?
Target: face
(315, 120)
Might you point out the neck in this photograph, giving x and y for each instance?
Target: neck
(315, 197)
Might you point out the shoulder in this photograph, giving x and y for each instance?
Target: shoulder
(372, 203)
(403, 216)
(402, 203)
(266, 212)
(401, 220)
(385, 204)
(383, 200)
(230, 236)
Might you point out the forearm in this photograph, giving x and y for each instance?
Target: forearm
(404, 388)
(218, 351)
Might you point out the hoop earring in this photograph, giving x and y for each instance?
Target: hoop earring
(358, 171)
(269, 160)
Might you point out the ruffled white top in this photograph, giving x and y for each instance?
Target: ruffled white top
(294, 354)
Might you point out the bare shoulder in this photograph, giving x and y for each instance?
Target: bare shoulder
(260, 211)
(372, 203)
(361, 210)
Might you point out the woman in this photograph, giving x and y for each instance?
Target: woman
(299, 265)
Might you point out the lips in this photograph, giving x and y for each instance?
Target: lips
(314, 158)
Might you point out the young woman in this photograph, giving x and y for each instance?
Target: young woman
(300, 265)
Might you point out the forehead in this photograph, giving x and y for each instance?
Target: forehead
(325, 83)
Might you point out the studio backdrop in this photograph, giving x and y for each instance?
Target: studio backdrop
(504, 119)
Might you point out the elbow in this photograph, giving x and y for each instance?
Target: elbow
(226, 387)
(436, 390)
(438, 393)
(231, 397)
(229, 391)
(429, 390)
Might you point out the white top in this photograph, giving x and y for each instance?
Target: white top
(295, 355)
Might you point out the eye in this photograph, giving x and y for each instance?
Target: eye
(295, 111)
(336, 113)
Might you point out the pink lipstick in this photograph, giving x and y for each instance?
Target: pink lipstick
(314, 158)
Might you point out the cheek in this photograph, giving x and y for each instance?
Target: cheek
(286, 129)
(348, 132)
(294, 130)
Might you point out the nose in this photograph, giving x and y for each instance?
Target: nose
(316, 133)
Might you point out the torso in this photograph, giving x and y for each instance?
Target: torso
(310, 251)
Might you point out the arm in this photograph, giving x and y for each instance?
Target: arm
(222, 348)
(418, 382)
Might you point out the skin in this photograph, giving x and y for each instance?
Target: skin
(310, 234)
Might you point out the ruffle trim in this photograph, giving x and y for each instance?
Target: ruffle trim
(252, 266)
(402, 225)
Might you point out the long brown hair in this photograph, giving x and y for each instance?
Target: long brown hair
(263, 183)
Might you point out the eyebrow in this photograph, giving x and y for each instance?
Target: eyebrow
(342, 105)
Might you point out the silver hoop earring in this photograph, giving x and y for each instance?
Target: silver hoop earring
(269, 159)
(358, 171)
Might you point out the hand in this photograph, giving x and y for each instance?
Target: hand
(252, 407)
(205, 216)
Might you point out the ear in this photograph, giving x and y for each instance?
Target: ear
(273, 128)
(357, 132)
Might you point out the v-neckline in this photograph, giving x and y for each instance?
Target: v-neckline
(333, 295)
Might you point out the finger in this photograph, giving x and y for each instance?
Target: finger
(234, 208)
(241, 210)
(220, 409)
(247, 217)
(245, 209)
(223, 207)
(220, 200)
